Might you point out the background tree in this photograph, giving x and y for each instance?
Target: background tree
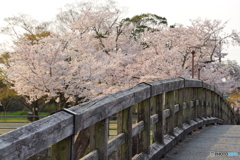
(143, 22)
(24, 25)
(6, 96)
(20, 28)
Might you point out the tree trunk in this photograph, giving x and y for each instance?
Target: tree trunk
(62, 101)
(5, 105)
(35, 114)
(35, 110)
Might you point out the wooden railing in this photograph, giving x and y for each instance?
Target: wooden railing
(166, 112)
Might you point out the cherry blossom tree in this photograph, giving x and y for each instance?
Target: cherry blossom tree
(45, 69)
(168, 55)
(71, 68)
(97, 51)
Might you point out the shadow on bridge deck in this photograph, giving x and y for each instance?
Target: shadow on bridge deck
(211, 143)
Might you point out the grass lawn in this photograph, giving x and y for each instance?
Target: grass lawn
(17, 116)
(12, 120)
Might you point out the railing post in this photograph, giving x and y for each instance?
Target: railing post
(229, 116)
(101, 138)
(218, 105)
(176, 102)
(136, 139)
(169, 104)
(62, 149)
(224, 111)
(159, 132)
(208, 105)
(204, 103)
(124, 125)
(153, 109)
(141, 141)
(214, 105)
(144, 115)
(192, 103)
(194, 97)
(220, 108)
(200, 98)
(187, 112)
(181, 112)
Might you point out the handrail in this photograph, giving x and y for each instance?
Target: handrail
(171, 108)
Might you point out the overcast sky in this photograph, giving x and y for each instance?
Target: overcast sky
(176, 11)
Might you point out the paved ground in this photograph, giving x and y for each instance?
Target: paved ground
(221, 142)
(7, 127)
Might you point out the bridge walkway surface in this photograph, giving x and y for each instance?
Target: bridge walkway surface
(218, 142)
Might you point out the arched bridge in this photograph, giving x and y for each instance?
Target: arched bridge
(149, 119)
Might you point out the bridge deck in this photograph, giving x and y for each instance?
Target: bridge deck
(211, 143)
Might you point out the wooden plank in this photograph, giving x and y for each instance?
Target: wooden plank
(24, 142)
(213, 104)
(91, 156)
(197, 102)
(62, 150)
(193, 83)
(169, 103)
(153, 119)
(176, 108)
(101, 139)
(224, 112)
(184, 105)
(208, 103)
(167, 113)
(135, 136)
(92, 137)
(204, 106)
(221, 108)
(216, 105)
(192, 108)
(125, 126)
(158, 133)
(116, 142)
(181, 107)
(137, 128)
(187, 112)
(101, 108)
(166, 85)
(191, 104)
(81, 142)
(218, 92)
(195, 108)
(144, 115)
(207, 86)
